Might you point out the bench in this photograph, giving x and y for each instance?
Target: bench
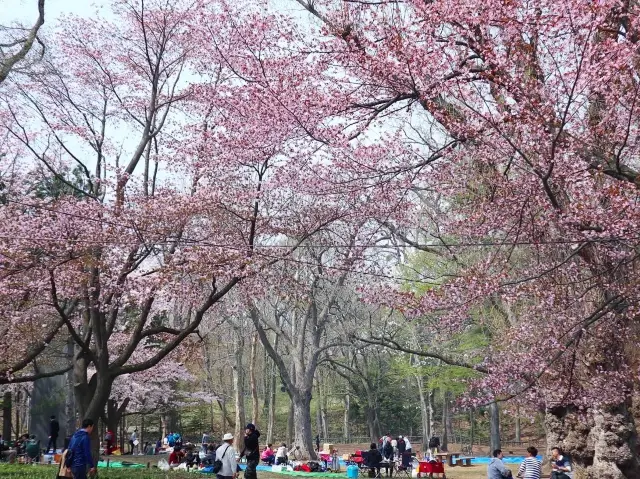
(464, 461)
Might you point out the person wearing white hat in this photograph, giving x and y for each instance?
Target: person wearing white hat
(227, 455)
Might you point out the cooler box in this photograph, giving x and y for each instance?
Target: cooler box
(328, 447)
(352, 472)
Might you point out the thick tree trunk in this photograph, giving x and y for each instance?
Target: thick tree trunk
(69, 403)
(91, 399)
(290, 419)
(495, 442)
(303, 436)
(115, 413)
(371, 424)
(238, 384)
(255, 403)
(6, 416)
(601, 443)
(346, 431)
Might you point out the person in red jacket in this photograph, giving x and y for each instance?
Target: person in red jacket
(175, 457)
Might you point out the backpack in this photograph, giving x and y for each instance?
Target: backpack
(217, 464)
(68, 458)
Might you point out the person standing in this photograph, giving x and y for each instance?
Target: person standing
(227, 456)
(402, 446)
(530, 467)
(251, 450)
(80, 449)
(407, 444)
(317, 442)
(133, 440)
(54, 431)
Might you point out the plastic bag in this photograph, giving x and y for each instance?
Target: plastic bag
(163, 465)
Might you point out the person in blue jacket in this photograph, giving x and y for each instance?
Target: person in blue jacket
(80, 447)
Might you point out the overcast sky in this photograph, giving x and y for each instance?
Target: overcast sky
(27, 10)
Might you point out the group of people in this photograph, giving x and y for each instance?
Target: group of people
(391, 447)
(531, 467)
(279, 456)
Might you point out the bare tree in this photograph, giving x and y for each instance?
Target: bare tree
(17, 42)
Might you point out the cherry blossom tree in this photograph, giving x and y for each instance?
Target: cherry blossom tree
(134, 261)
(522, 118)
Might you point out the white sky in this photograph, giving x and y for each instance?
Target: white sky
(27, 10)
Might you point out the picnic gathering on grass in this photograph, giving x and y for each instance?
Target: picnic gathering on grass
(349, 238)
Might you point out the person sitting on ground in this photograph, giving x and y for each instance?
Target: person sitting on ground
(530, 467)
(373, 460)
(21, 445)
(191, 459)
(32, 449)
(560, 465)
(295, 453)
(6, 453)
(497, 469)
(175, 458)
(210, 457)
(281, 455)
(268, 456)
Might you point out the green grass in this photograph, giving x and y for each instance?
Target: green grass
(24, 471)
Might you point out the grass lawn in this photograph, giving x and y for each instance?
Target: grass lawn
(21, 471)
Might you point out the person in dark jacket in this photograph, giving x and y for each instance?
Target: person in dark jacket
(251, 451)
(387, 450)
(373, 461)
(80, 449)
(402, 446)
(54, 431)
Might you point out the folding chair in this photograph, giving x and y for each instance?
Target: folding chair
(406, 466)
(369, 470)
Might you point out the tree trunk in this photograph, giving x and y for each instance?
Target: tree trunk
(164, 425)
(472, 432)
(518, 435)
(115, 413)
(601, 443)
(495, 442)
(272, 403)
(141, 447)
(303, 436)
(430, 394)
(444, 443)
(238, 384)
(255, 412)
(69, 403)
(449, 419)
(290, 424)
(424, 413)
(318, 410)
(6, 416)
(346, 431)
